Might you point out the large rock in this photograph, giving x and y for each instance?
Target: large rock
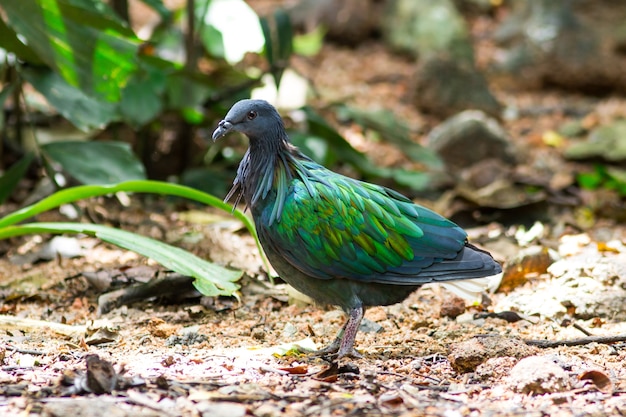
(445, 86)
(425, 28)
(347, 22)
(466, 356)
(550, 44)
(468, 138)
(606, 142)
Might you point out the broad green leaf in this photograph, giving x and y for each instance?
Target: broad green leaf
(211, 279)
(159, 7)
(142, 98)
(13, 175)
(10, 42)
(617, 178)
(413, 179)
(83, 41)
(213, 41)
(392, 130)
(85, 112)
(96, 162)
(192, 115)
(341, 150)
(183, 91)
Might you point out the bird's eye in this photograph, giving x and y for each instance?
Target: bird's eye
(251, 115)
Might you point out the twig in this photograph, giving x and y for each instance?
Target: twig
(582, 329)
(24, 351)
(576, 342)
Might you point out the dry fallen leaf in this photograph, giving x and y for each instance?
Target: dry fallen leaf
(295, 370)
(601, 381)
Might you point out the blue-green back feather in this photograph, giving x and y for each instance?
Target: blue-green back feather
(330, 226)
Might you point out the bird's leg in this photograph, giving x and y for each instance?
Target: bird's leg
(343, 345)
(350, 329)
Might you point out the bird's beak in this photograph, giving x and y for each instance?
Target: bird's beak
(222, 128)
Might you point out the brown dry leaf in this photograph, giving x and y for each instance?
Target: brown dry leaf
(532, 261)
(601, 380)
(295, 370)
(329, 374)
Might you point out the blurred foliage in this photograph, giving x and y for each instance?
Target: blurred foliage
(95, 71)
(210, 279)
(604, 176)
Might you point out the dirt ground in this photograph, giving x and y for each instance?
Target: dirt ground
(224, 357)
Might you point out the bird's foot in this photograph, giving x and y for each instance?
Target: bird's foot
(349, 353)
(335, 351)
(329, 350)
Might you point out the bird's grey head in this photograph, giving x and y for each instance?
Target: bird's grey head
(254, 118)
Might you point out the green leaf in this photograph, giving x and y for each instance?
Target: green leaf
(10, 42)
(6, 92)
(618, 179)
(392, 130)
(341, 150)
(211, 279)
(267, 35)
(13, 175)
(413, 179)
(73, 194)
(96, 162)
(278, 42)
(160, 8)
(213, 41)
(183, 91)
(84, 41)
(85, 112)
(142, 98)
(309, 44)
(284, 34)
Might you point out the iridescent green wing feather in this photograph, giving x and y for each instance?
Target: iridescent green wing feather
(332, 226)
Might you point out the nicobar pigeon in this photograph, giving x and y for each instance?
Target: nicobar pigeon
(336, 239)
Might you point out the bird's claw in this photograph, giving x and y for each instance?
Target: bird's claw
(334, 352)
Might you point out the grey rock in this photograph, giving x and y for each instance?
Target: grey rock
(606, 142)
(424, 28)
(445, 86)
(470, 137)
(551, 44)
(369, 326)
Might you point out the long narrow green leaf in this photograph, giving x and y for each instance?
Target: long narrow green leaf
(210, 279)
(267, 34)
(70, 195)
(284, 33)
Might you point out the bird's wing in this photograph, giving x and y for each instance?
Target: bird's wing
(333, 226)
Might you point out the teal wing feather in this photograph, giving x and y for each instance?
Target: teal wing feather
(332, 226)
